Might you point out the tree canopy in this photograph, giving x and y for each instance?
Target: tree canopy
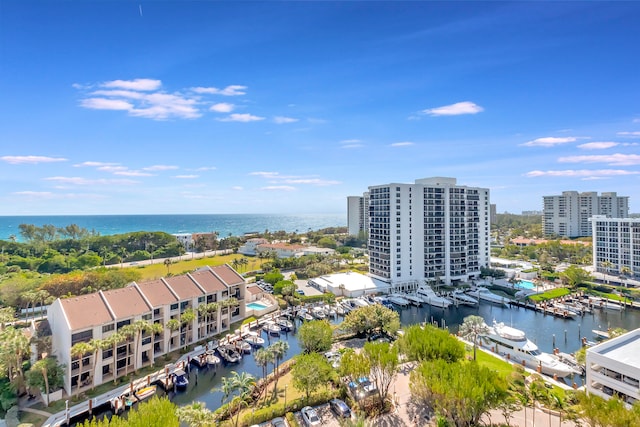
(370, 319)
(315, 336)
(430, 343)
(310, 372)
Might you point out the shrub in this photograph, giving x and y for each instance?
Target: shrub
(292, 420)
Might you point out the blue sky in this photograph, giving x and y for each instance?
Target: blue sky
(125, 107)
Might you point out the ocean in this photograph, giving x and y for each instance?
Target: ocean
(225, 224)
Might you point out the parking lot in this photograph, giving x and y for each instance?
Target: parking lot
(327, 417)
(308, 290)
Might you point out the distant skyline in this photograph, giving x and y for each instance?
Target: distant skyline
(121, 107)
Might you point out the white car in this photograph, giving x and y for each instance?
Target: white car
(310, 416)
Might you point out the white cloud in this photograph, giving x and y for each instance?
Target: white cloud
(350, 141)
(266, 174)
(112, 169)
(136, 84)
(106, 104)
(281, 120)
(186, 176)
(598, 145)
(231, 90)
(132, 173)
(310, 181)
(241, 118)
(611, 159)
(45, 194)
(160, 168)
(76, 180)
(636, 133)
(278, 188)
(237, 188)
(33, 160)
(222, 107)
(94, 164)
(206, 168)
(402, 144)
(636, 120)
(456, 109)
(350, 146)
(581, 173)
(549, 141)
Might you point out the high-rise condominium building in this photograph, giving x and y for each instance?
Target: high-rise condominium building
(568, 214)
(357, 214)
(616, 245)
(431, 230)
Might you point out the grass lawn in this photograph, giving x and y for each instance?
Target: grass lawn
(31, 418)
(158, 269)
(550, 294)
(503, 368)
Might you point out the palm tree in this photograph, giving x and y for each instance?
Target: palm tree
(472, 328)
(167, 263)
(262, 358)
(538, 393)
(79, 350)
(7, 315)
(279, 350)
(128, 332)
(173, 325)
(96, 348)
(607, 266)
(626, 272)
(242, 384)
(559, 403)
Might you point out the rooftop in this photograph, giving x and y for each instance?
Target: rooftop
(623, 349)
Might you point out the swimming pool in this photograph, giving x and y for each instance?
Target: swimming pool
(525, 284)
(256, 306)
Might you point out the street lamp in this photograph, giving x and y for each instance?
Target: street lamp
(285, 396)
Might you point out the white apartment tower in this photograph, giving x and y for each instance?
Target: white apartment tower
(568, 214)
(616, 245)
(357, 214)
(431, 230)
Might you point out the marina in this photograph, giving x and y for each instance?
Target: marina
(550, 334)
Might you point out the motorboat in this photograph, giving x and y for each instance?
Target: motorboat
(605, 304)
(414, 299)
(318, 313)
(340, 310)
(181, 379)
(484, 294)
(303, 314)
(211, 358)
(243, 346)
(254, 339)
(272, 328)
(330, 310)
(460, 297)
(229, 354)
(513, 344)
(361, 302)
(145, 392)
(398, 300)
(429, 296)
(285, 325)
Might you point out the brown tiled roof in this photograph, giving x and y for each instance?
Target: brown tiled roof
(85, 311)
(228, 274)
(209, 281)
(254, 290)
(184, 287)
(126, 302)
(157, 293)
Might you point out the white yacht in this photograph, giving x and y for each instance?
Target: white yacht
(398, 300)
(484, 294)
(430, 297)
(318, 313)
(460, 297)
(272, 328)
(605, 304)
(414, 299)
(254, 339)
(513, 344)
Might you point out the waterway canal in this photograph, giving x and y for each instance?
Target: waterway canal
(545, 330)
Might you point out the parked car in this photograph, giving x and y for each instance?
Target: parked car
(299, 291)
(310, 416)
(278, 422)
(340, 408)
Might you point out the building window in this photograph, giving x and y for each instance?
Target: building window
(123, 323)
(174, 306)
(108, 328)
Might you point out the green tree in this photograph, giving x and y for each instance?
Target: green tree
(196, 415)
(430, 343)
(154, 412)
(310, 372)
(237, 388)
(14, 348)
(354, 365)
(273, 277)
(370, 319)
(471, 329)
(46, 374)
(461, 391)
(383, 360)
(574, 276)
(278, 351)
(315, 336)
